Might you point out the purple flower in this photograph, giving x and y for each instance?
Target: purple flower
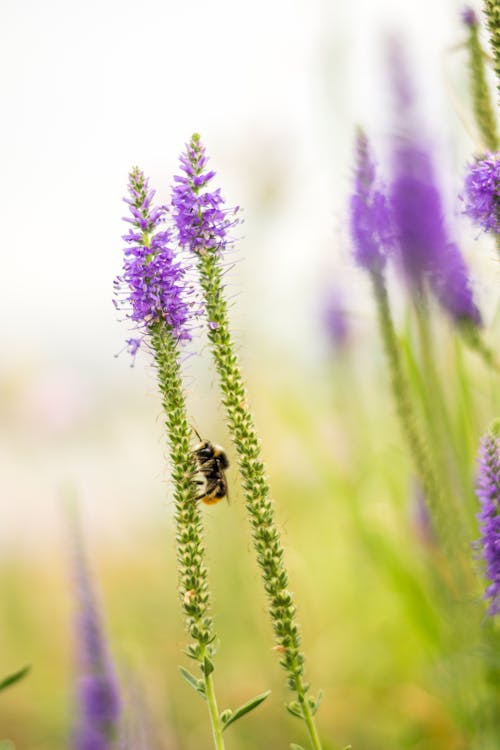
(370, 225)
(482, 192)
(203, 222)
(335, 319)
(152, 281)
(97, 691)
(426, 252)
(488, 492)
(469, 17)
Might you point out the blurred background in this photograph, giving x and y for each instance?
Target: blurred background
(275, 89)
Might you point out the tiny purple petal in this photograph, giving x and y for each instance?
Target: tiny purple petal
(488, 492)
(482, 193)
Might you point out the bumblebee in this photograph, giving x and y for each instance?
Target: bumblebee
(212, 463)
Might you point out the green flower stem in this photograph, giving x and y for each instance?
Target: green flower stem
(472, 337)
(404, 406)
(266, 537)
(192, 572)
(481, 99)
(214, 712)
(492, 12)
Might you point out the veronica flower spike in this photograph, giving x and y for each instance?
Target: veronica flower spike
(99, 704)
(152, 289)
(203, 225)
(488, 492)
(372, 238)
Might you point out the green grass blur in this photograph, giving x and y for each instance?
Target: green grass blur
(381, 640)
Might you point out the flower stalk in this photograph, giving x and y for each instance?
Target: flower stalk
(153, 281)
(492, 13)
(203, 224)
(484, 113)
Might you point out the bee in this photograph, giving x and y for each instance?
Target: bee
(212, 463)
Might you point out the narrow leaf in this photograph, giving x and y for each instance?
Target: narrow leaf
(246, 708)
(294, 709)
(226, 715)
(315, 703)
(15, 677)
(293, 746)
(193, 681)
(208, 667)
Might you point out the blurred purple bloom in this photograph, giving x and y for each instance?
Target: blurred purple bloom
(426, 251)
(203, 223)
(335, 319)
(152, 279)
(97, 691)
(488, 492)
(370, 225)
(469, 17)
(482, 193)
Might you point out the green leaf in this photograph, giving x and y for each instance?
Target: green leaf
(13, 678)
(294, 708)
(347, 747)
(293, 746)
(315, 703)
(226, 715)
(193, 681)
(245, 708)
(207, 667)
(7, 745)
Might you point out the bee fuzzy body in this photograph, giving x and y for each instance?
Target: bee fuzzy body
(212, 463)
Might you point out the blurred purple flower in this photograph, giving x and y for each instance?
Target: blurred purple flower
(469, 16)
(99, 705)
(488, 492)
(426, 252)
(370, 224)
(482, 192)
(335, 319)
(203, 222)
(152, 281)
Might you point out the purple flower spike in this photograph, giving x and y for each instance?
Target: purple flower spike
(97, 691)
(482, 193)
(370, 224)
(152, 284)
(488, 492)
(203, 222)
(426, 252)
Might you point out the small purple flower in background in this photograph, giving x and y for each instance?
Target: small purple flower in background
(335, 321)
(203, 222)
(99, 705)
(482, 193)
(426, 252)
(370, 224)
(151, 286)
(488, 492)
(469, 17)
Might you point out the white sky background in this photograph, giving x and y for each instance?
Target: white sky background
(274, 86)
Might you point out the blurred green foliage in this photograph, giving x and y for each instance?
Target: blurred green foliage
(383, 638)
